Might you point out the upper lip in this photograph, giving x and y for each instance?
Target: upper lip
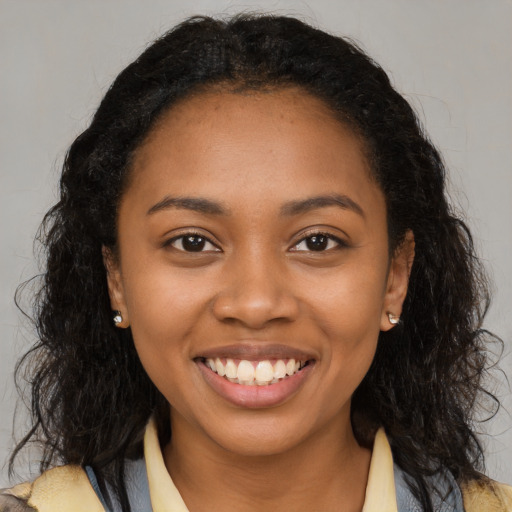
(256, 351)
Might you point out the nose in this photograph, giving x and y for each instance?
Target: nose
(256, 291)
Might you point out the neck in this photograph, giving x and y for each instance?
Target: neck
(326, 469)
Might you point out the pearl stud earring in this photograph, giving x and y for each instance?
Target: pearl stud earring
(393, 319)
(118, 318)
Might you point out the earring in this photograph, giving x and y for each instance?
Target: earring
(118, 318)
(393, 319)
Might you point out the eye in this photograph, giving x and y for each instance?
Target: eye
(192, 242)
(318, 242)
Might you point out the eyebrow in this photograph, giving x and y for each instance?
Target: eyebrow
(209, 207)
(196, 204)
(313, 203)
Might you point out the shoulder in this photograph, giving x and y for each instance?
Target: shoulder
(15, 499)
(61, 489)
(482, 495)
(486, 495)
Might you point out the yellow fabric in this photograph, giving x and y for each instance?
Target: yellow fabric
(164, 495)
(380, 489)
(487, 496)
(61, 489)
(22, 491)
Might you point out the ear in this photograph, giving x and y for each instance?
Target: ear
(398, 281)
(115, 286)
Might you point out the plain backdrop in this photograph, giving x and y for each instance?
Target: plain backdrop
(451, 59)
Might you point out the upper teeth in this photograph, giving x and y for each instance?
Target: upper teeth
(249, 373)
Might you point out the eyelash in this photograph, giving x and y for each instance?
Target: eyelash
(189, 235)
(304, 240)
(329, 238)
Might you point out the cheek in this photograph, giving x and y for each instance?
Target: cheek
(162, 298)
(164, 309)
(162, 321)
(347, 309)
(350, 301)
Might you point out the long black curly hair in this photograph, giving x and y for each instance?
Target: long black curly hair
(91, 398)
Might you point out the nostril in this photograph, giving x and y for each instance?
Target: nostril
(255, 307)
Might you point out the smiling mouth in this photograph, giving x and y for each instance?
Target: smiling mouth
(255, 373)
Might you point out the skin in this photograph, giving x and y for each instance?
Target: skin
(257, 284)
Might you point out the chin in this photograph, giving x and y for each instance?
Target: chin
(258, 440)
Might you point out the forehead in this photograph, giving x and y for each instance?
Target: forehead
(289, 102)
(265, 140)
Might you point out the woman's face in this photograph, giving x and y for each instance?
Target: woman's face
(253, 241)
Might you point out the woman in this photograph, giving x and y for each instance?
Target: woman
(257, 296)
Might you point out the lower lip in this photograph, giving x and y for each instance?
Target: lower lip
(255, 397)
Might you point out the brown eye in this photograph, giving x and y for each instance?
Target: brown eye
(192, 243)
(318, 242)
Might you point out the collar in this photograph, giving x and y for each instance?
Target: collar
(380, 489)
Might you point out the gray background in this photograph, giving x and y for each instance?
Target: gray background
(452, 59)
